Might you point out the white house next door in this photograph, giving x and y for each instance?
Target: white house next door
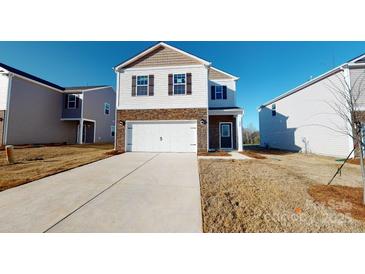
(161, 136)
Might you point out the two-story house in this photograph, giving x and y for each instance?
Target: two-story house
(36, 111)
(171, 101)
(315, 117)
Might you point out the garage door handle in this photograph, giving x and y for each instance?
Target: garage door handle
(161, 138)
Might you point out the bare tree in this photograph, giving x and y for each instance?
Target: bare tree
(250, 135)
(349, 105)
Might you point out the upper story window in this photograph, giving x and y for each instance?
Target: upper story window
(179, 84)
(106, 108)
(218, 92)
(71, 101)
(273, 110)
(142, 85)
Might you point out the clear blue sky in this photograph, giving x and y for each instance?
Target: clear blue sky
(266, 69)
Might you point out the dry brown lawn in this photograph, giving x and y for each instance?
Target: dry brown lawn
(286, 192)
(38, 162)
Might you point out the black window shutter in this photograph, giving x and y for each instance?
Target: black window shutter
(77, 101)
(212, 92)
(66, 100)
(224, 92)
(133, 85)
(151, 83)
(188, 83)
(170, 84)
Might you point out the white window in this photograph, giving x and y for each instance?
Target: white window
(106, 108)
(179, 84)
(218, 92)
(142, 85)
(71, 101)
(112, 131)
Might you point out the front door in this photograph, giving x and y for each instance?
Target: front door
(225, 133)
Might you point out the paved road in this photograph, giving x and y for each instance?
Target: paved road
(132, 192)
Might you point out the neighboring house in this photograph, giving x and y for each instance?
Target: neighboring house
(171, 101)
(35, 111)
(307, 119)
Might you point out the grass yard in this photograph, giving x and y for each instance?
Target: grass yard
(286, 192)
(38, 162)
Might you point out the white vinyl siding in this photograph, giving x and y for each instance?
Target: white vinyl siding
(303, 121)
(161, 99)
(231, 93)
(4, 82)
(357, 80)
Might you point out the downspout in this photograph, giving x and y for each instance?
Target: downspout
(82, 119)
(10, 83)
(116, 109)
(208, 66)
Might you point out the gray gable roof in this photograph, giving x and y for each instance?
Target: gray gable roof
(30, 76)
(45, 82)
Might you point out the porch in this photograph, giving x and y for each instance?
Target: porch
(85, 130)
(225, 128)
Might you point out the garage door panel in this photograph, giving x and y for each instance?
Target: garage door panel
(156, 136)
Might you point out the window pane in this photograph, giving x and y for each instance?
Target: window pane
(218, 92)
(179, 78)
(179, 89)
(142, 80)
(141, 90)
(225, 131)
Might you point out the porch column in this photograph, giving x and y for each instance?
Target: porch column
(81, 129)
(239, 131)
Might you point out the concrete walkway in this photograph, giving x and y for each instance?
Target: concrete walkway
(132, 192)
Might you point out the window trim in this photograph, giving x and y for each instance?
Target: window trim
(73, 101)
(106, 104)
(173, 84)
(148, 83)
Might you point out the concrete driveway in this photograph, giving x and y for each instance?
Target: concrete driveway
(132, 192)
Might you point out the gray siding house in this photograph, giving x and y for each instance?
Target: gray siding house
(308, 118)
(35, 111)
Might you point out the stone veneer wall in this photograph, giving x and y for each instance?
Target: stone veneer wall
(214, 129)
(162, 114)
(2, 125)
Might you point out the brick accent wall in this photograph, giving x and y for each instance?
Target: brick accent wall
(162, 114)
(2, 125)
(214, 129)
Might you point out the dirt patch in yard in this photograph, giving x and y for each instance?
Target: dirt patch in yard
(347, 200)
(272, 195)
(214, 153)
(38, 162)
(252, 154)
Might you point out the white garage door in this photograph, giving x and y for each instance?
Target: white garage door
(162, 136)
